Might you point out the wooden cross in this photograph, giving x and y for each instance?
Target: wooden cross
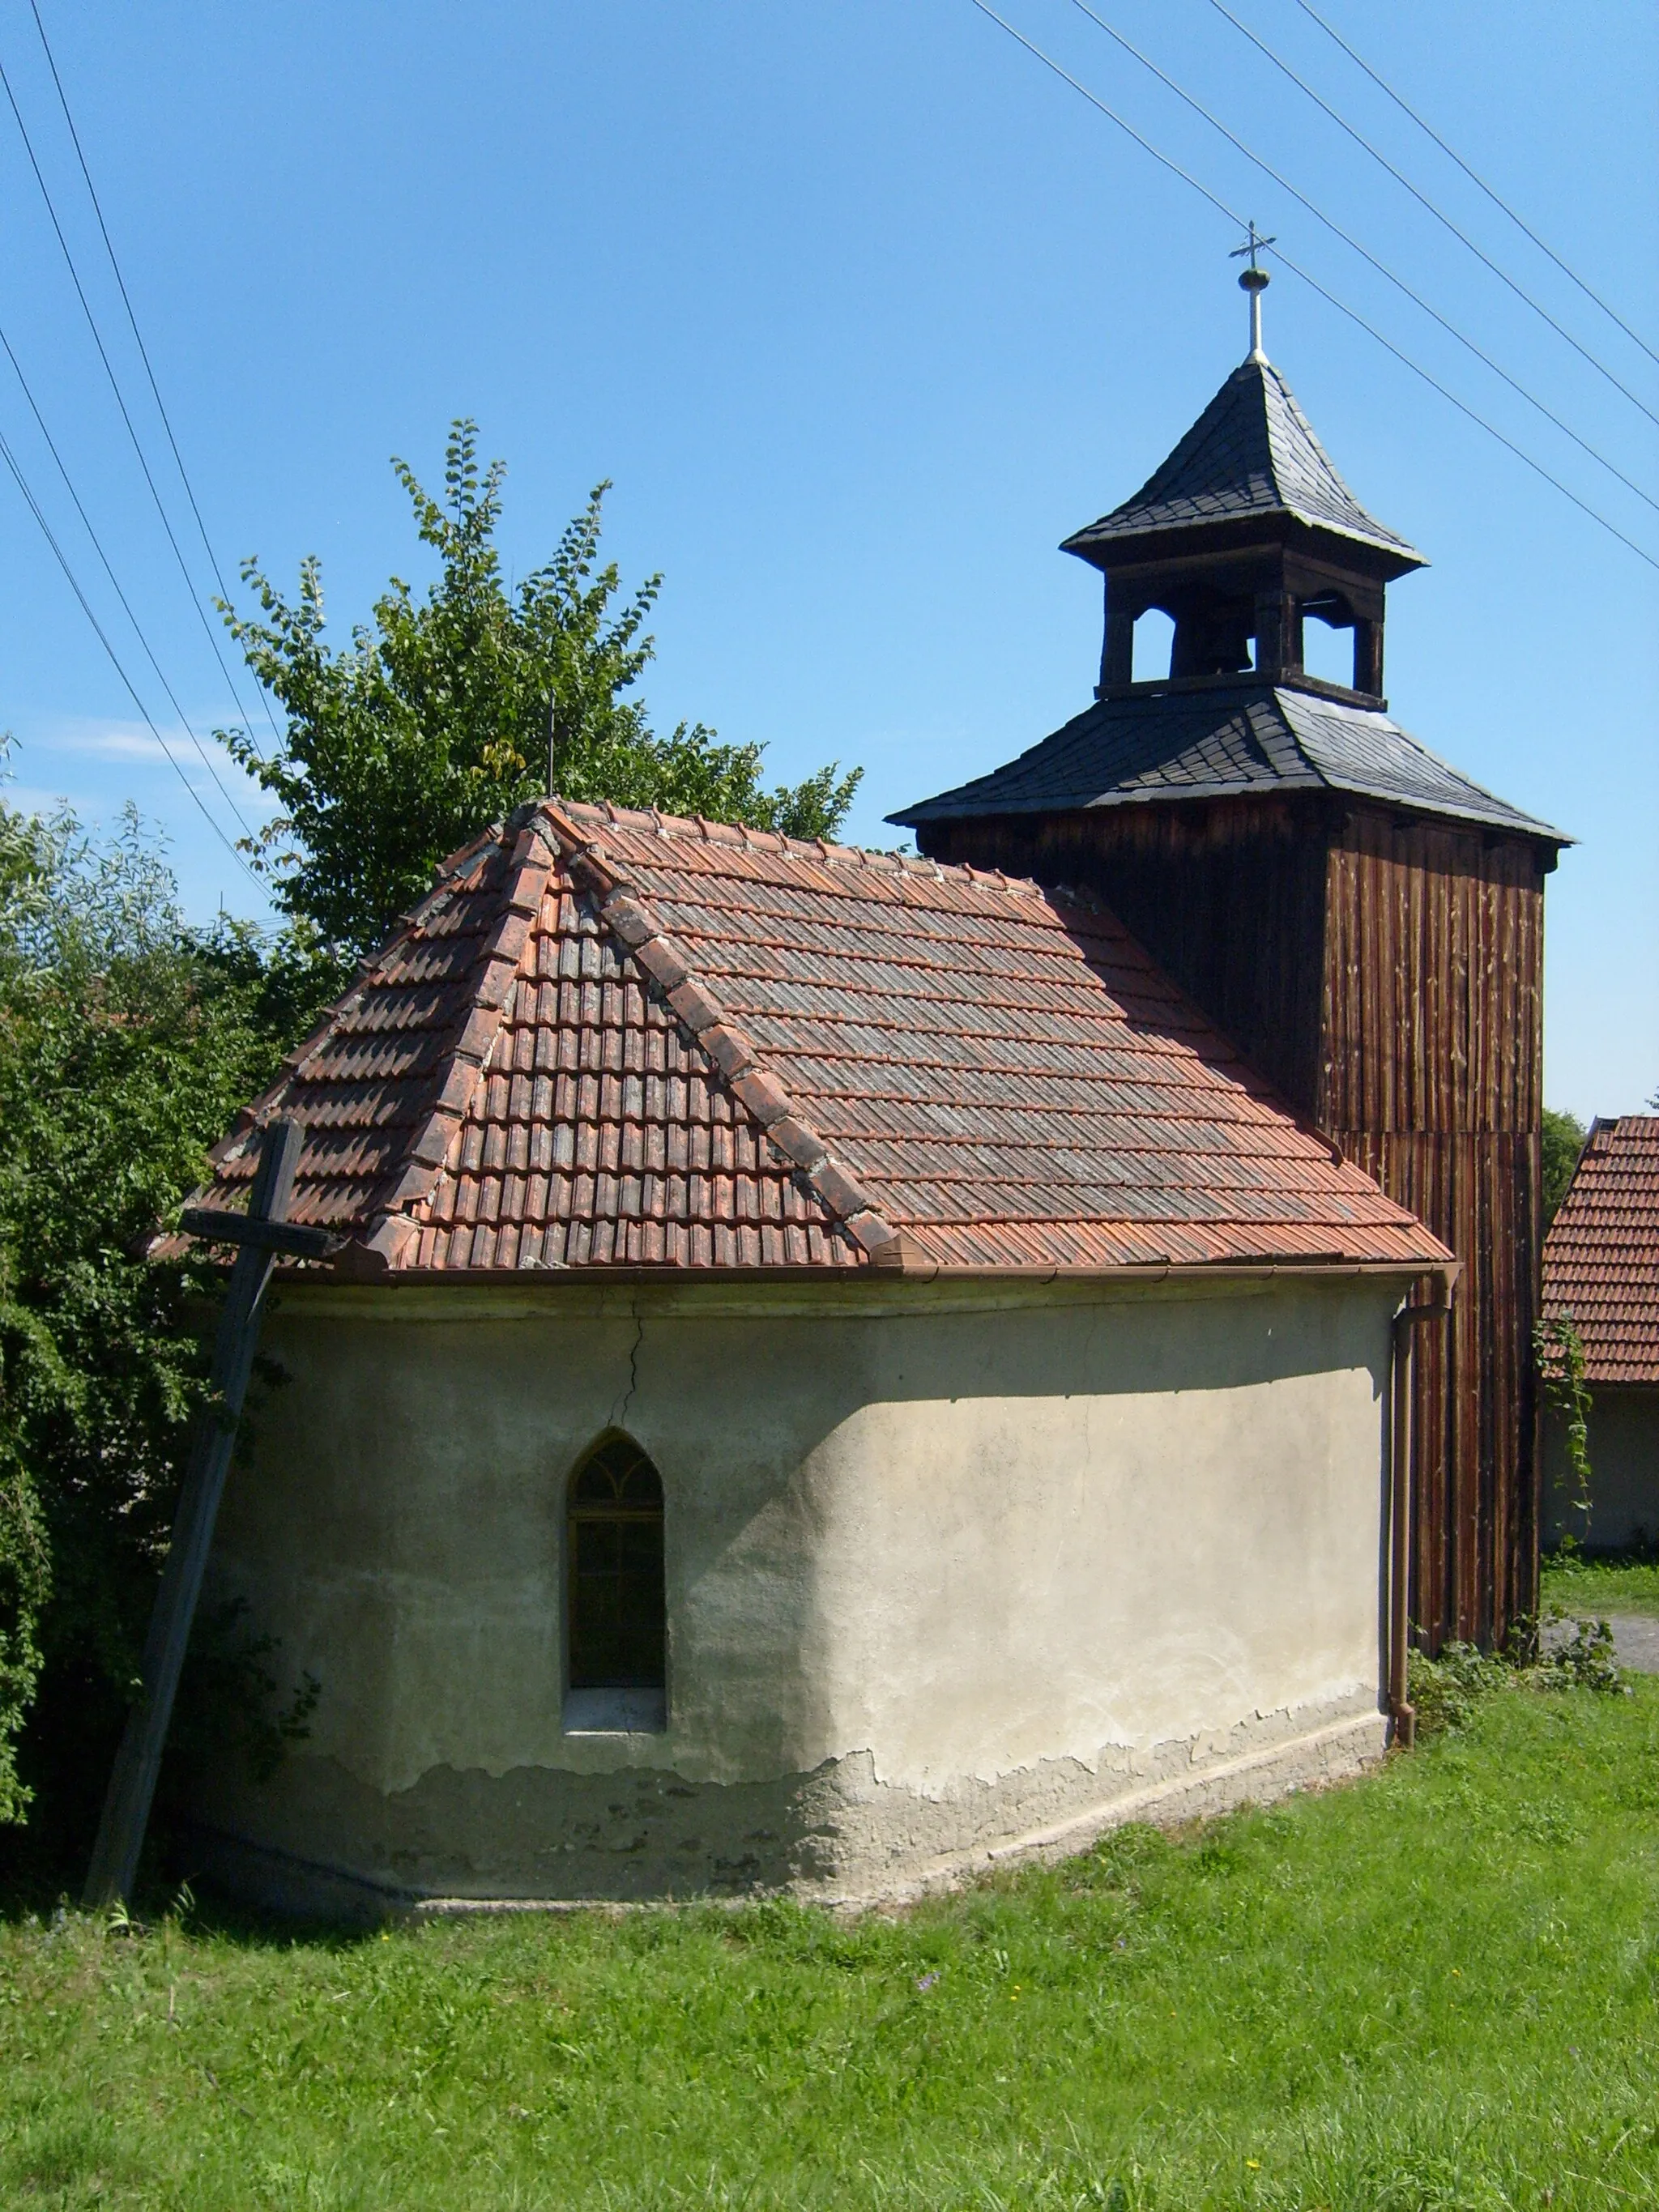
(262, 1233)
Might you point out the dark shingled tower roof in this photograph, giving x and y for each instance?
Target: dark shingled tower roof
(1226, 742)
(1252, 452)
(1250, 468)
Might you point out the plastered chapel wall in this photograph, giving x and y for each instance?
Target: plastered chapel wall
(945, 1538)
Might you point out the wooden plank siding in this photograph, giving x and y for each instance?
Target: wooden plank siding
(1433, 979)
(1431, 1080)
(1385, 972)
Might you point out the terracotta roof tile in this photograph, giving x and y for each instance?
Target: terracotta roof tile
(610, 1039)
(1601, 1255)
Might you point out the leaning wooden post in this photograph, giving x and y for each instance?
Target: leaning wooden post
(262, 1232)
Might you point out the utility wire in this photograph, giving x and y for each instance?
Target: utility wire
(1312, 282)
(1365, 254)
(34, 505)
(1423, 200)
(1503, 205)
(109, 371)
(143, 350)
(126, 608)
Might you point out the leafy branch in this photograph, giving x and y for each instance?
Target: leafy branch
(1560, 1354)
(432, 720)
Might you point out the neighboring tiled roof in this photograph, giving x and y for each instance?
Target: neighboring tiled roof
(1252, 451)
(1601, 1255)
(1218, 742)
(612, 1039)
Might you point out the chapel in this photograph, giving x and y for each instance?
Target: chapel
(843, 1367)
(1364, 922)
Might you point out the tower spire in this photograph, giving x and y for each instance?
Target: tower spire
(1254, 281)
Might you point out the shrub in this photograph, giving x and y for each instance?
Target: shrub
(127, 1042)
(1541, 1656)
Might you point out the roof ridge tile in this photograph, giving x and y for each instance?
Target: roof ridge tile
(637, 929)
(391, 1225)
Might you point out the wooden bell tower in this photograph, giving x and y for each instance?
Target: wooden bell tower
(1366, 922)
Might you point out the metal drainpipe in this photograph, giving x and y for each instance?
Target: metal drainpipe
(1401, 1711)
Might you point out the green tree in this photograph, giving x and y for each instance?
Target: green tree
(127, 1043)
(1563, 1138)
(433, 721)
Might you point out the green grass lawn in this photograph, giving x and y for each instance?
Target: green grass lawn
(1599, 1586)
(1433, 1989)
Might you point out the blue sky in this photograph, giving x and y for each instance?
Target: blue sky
(862, 310)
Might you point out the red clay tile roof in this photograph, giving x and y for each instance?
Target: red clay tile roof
(610, 1039)
(1601, 1255)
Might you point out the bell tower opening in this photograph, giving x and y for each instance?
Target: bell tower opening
(1355, 660)
(1154, 646)
(1251, 546)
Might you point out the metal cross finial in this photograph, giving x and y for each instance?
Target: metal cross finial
(1254, 281)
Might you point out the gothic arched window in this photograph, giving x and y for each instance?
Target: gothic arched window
(616, 1607)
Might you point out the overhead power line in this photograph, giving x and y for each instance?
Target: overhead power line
(1478, 181)
(1348, 240)
(1439, 215)
(34, 508)
(1312, 282)
(120, 401)
(143, 350)
(115, 581)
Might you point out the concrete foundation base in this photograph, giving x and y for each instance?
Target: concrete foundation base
(837, 1838)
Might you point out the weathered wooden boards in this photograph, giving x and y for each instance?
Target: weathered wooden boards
(1433, 1083)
